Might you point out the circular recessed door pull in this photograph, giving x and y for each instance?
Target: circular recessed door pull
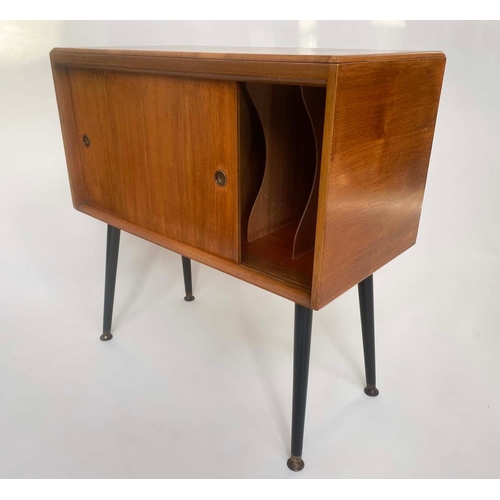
(220, 178)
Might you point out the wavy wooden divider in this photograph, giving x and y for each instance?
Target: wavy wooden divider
(314, 101)
(290, 159)
(252, 156)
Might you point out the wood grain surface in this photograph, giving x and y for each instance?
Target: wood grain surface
(253, 275)
(273, 256)
(252, 157)
(314, 100)
(290, 158)
(69, 133)
(221, 69)
(161, 121)
(155, 144)
(374, 176)
(261, 54)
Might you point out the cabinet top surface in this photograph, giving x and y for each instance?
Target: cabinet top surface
(283, 54)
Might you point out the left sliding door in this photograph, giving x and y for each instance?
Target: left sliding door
(161, 152)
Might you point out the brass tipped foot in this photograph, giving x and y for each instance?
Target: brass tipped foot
(371, 391)
(295, 463)
(189, 298)
(106, 336)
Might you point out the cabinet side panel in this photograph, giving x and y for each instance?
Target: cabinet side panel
(68, 128)
(383, 126)
(155, 143)
(323, 172)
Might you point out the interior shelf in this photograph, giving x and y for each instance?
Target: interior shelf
(281, 129)
(272, 255)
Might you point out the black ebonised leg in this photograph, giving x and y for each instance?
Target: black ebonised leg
(188, 284)
(301, 351)
(365, 289)
(113, 244)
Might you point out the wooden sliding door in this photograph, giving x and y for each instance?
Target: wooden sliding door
(150, 146)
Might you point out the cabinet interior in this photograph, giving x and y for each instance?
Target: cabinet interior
(280, 140)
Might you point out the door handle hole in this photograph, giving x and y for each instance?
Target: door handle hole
(220, 178)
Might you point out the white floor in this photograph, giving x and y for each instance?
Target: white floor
(203, 389)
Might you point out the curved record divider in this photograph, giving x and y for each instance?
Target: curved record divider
(314, 101)
(252, 156)
(288, 176)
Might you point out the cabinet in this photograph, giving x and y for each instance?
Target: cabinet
(299, 171)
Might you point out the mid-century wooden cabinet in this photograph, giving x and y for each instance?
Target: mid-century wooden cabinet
(299, 171)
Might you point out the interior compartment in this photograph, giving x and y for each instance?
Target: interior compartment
(281, 129)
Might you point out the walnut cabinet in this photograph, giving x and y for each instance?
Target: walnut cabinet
(299, 171)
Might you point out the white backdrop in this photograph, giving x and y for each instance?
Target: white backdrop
(203, 389)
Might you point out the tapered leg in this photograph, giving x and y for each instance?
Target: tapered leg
(188, 283)
(365, 289)
(113, 244)
(301, 351)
